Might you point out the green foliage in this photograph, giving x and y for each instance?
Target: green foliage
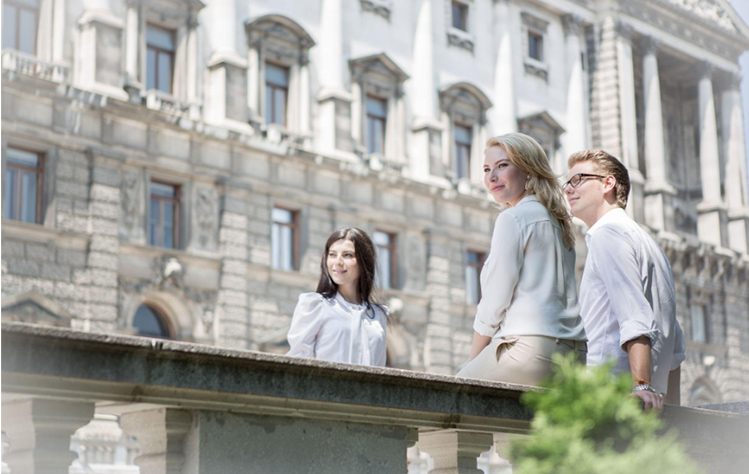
(586, 423)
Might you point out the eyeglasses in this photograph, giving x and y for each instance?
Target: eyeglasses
(579, 178)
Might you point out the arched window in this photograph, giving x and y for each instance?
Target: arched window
(149, 322)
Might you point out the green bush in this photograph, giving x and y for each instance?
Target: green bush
(586, 423)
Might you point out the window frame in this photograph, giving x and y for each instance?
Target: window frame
(37, 14)
(159, 51)
(457, 146)
(161, 316)
(539, 37)
(271, 88)
(294, 225)
(463, 8)
(371, 119)
(39, 171)
(477, 267)
(176, 200)
(392, 247)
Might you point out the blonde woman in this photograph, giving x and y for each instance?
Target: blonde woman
(528, 310)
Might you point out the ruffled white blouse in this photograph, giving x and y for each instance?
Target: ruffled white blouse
(335, 330)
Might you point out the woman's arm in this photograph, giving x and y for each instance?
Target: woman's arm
(479, 343)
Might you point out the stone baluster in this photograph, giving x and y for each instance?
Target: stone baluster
(658, 191)
(39, 431)
(454, 451)
(710, 210)
(161, 433)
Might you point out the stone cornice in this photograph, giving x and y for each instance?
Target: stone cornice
(679, 22)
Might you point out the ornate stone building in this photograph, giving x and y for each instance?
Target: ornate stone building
(173, 167)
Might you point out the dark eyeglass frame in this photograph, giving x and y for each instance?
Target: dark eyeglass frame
(579, 178)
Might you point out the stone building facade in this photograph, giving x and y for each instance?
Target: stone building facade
(174, 167)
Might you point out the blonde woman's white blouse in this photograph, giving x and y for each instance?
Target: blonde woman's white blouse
(335, 330)
(528, 280)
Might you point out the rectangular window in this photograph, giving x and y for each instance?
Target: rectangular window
(276, 93)
(535, 46)
(163, 228)
(386, 264)
(20, 23)
(376, 121)
(22, 191)
(460, 16)
(159, 58)
(463, 140)
(698, 319)
(474, 263)
(284, 239)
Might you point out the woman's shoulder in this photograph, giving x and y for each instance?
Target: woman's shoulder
(381, 311)
(311, 300)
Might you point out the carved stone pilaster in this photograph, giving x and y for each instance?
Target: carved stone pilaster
(573, 24)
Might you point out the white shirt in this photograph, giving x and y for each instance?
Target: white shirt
(338, 331)
(528, 280)
(627, 291)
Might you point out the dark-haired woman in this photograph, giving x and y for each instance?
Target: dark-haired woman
(340, 321)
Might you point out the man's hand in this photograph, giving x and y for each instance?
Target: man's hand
(649, 399)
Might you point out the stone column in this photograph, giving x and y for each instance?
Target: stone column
(192, 91)
(737, 198)
(504, 115)
(254, 56)
(453, 451)
(709, 220)
(39, 432)
(426, 127)
(628, 119)
(576, 137)
(132, 46)
(658, 191)
(331, 67)
(161, 433)
(304, 99)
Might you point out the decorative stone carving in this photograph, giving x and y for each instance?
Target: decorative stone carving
(707, 10)
(133, 207)
(573, 24)
(460, 39)
(205, 225)
(382, 8)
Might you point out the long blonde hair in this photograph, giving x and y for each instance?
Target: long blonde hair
(525, 153)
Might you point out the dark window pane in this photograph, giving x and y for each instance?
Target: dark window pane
(28, 196)
(164, 190)
(460, 16)
(283, 216)
(268, 104)
(150, 69)
(279, 114)
(535, 46)
(11, 194)
(463, 134)
(168, 225)
(27, 32)
(154, 223)
(165, 73)
(9, 26)
(149, 323)
(376, 107)
(276, 75)
(160, 38)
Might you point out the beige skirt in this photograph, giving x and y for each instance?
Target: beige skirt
(521, 359)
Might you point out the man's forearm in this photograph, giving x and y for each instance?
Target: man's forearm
(639, 357)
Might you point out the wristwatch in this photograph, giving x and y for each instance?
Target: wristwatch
(644, 386)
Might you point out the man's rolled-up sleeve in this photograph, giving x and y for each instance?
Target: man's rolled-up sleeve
(616, 264)
(500, 275)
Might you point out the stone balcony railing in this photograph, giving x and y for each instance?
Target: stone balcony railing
(202, 409)
(16, 62)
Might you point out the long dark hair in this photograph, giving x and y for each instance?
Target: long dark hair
(366, 258)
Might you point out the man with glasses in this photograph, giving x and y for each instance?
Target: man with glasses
(627, 295)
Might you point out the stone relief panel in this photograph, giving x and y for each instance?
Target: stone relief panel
(415, 262)
(205, 219)
(108, 52)
(133, 206)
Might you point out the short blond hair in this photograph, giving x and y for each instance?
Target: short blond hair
(605, 163)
